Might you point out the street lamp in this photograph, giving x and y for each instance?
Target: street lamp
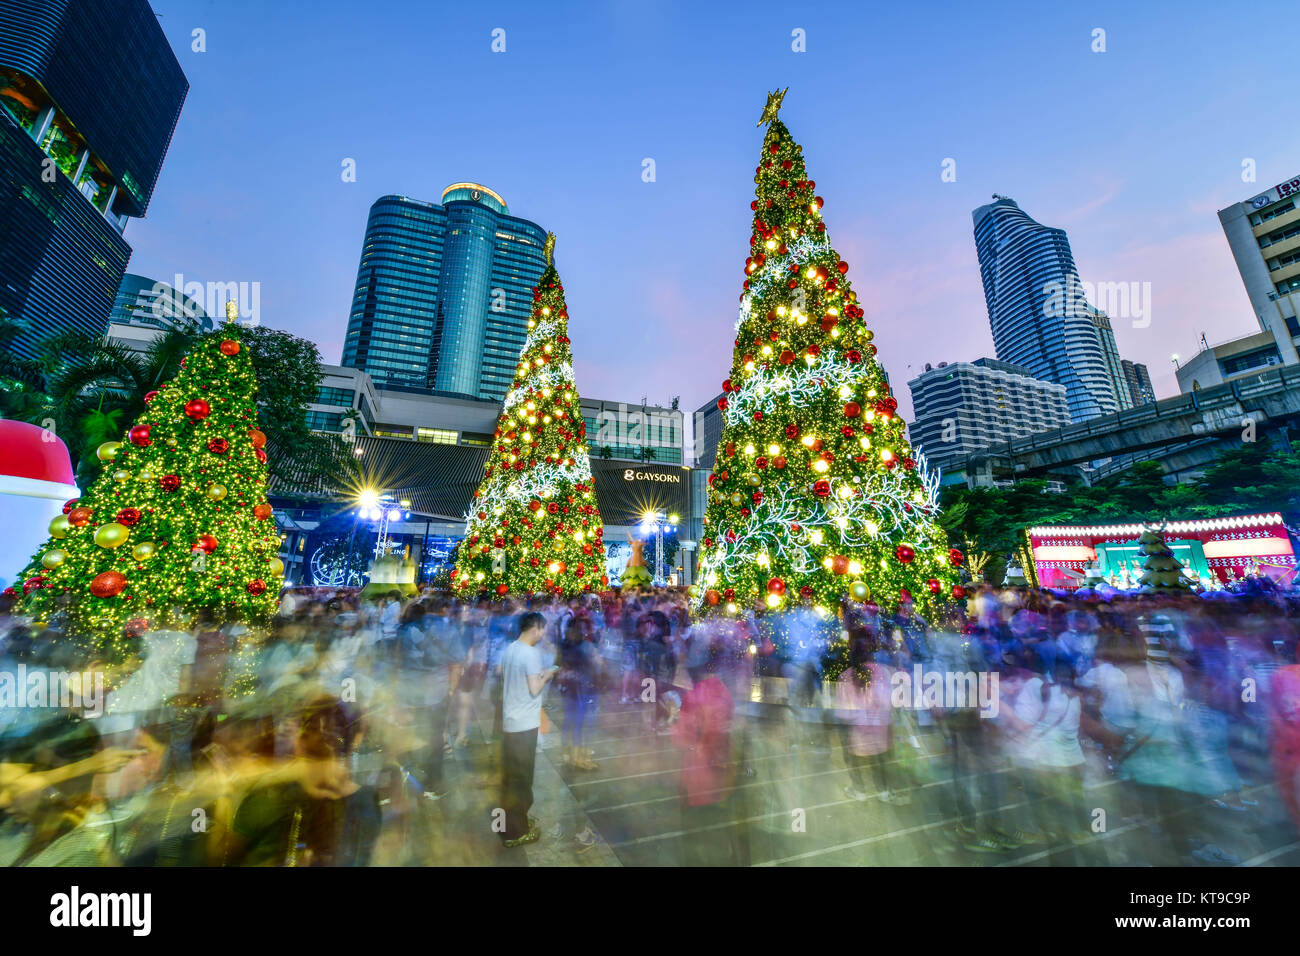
(656, 523)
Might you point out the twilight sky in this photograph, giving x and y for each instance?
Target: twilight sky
(1131, 151)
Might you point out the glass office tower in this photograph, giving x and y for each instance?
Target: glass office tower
(444, 292)
(90, 93)
(1039, 319)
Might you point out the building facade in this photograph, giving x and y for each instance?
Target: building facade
(443, 293)
(90, 93)
(1114, 364)
(1263, 233)
(142, 301)
(961, 407)
(1038, 318)
(1139, 382)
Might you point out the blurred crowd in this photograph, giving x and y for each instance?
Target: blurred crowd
(1027, 721)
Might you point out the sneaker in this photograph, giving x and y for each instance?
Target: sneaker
(984, 844)
(586, 839)
(853, 793)
(1211, 853)
(532, 836)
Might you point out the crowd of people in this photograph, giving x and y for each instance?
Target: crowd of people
(1026, 719)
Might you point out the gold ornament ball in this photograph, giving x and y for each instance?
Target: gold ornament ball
(60, 527)
(170, 443)
(860, 591)
(147, 475)
(53, 558)
(112, 535)
(277, 568)
(121, 475)
(216, 491)
(108, 451)
(143, 551)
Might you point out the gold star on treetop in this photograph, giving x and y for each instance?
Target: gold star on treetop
(549, 248)
(232, 311)
(773, 106)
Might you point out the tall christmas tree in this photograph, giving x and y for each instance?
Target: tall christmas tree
(176, 521)
(534, 525)
(815, 491)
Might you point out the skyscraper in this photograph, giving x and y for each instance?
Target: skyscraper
(1039, 318)
(1114, 364)
(444, 292)
(90, 93)
(1139, 382)
(149, 302)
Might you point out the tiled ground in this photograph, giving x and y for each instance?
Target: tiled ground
(789, 771)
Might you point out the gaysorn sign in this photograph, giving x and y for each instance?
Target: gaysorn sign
(631, 474)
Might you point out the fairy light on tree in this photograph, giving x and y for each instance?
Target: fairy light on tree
(534, 525)
(815, 491)
(177, 519)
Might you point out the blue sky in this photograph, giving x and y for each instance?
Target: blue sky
(1131, 151)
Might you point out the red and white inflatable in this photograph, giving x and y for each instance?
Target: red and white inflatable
(36, 478)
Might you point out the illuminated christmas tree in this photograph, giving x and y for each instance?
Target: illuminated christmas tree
(534, 525)
(177, 519)
(815, 490)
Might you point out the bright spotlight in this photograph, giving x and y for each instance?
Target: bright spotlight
(394, 514)
(368, 498)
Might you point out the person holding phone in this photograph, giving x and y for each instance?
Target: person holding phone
(524, 678)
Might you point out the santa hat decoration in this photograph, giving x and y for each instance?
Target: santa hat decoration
(34, 463)
(36, 478)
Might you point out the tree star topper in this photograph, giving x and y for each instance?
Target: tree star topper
(549, 248)
(773, 106)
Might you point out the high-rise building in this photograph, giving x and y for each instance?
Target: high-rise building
(149, 302)
(90, 93)
(1039, 318)
(1139, 382)
(444, 292)
(962, 407)
(1114, 364)
(1264, 236)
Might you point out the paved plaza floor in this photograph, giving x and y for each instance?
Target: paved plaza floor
(787, 807)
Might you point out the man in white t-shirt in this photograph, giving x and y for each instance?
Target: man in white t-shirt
(524, 676)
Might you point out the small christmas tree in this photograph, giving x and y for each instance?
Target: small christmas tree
(177, 519)
(636, 574)
(1161, 571)
(534, 524)
(815, 490)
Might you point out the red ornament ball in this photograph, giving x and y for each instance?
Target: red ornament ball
(256, 586)
(958, 592)
(170, 482)
(218, 446)
(712, 597)
(262, 512)
(79, 517)
(197, 409)
(69, 505)
(776, 586)
(840, 564)
(852, 410)
(843, 267)
(107, 585)
(904, 596)
(934, 585)
(261, 455)
(258, 438)
(150, 396)
(229, 347)
(534, 505)
(205, 543)
(822, 488)
(129, 517)
(778, 462)
(31, 584)
(904, 553)
(502, 589)
(139, 435)
(955, 557)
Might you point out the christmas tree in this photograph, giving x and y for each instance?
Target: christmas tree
(815, 491)
(177, 519)
(534, 524)
(1161, 571)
